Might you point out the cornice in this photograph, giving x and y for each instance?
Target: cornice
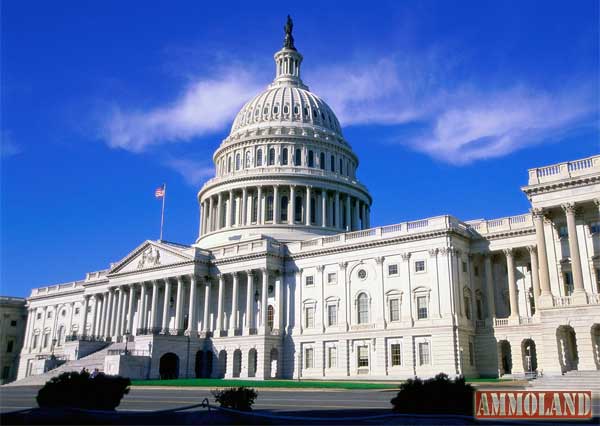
(253, 256)
(552, 186)
(505, 234)
(156, 268)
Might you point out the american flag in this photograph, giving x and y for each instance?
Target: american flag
(160, 192)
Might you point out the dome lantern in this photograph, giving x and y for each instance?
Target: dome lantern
(287, 61)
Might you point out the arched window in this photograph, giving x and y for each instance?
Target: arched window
(270, 317)
(347, 168)
(313, 210)
(311, 159)
(298, 209)
(283, 216)
(269, 215)
(284, 156)
(332, 163)
(229, 163)
(298, 157)
(341, 171)
(248, 159)
(271, 156)
(238, 162)
(254, 209)
(363, 308)
(322, 161)
(259, 158)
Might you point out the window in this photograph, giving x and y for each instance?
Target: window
(229, 165)
(270, 317)
(393, 269)
(479, 309)
(363, 308)
(46, 340)
(76, 311)
(424, 353)
(298, 157)
(254, 208)
(467, 301)
(276, 109)
(247, 165)
(309, 317)
(259, 158)
(331, 357)
(476, 270)
(283, 214)
(362, 274)
(471, 353)
(13, 323)
(363, 356)
(331, 278)
(238, 161)
(422, 307)
(332, 163)
(331, 315)
(341, 166)
(309, 358)
(10, 346)
(5, 372)
(313, 210)
(49, 314)
(286, 109)
(284, 156)
(420, 266)
(298, 209)
(464, 266)
(563, 231)
(594, 227)
(296, 110)
(322, 161)
(39, 315)
(35, 341)
(568, 277)
(394, 310)
(89, 309)
(309, 281)
(271, 156)
(311, 159)
(396, 354)
(269, 212)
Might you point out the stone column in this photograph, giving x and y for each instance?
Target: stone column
(512, 284)
(117, 327)
(153, 306)
(166, 305)
(179, 305)
(292, 205)
(42, 329)
(364, 216)
(535, 276)
(544, 275)
(211, 218)
(356, 217)
(228, 219)
(348, 211)
(192, 329)
(323, 208)
(249, 302)
(307, 218)
(368, 217)
(263, 304)
(94, 310)
(338, 215)
(82, 327)
(104, 320)
(219, 327)
(578, 291)
(123, 327)
(279, 303)
(234, 305)
(219, 211)
(206, 319)
(114, 313)
(244, 206)
(489, 287)
(131, 298)
(259, 206)
(275, 204)
(142, 307)
(28, 325)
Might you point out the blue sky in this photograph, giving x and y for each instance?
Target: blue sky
(447, 104)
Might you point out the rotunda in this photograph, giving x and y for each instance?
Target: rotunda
(285, 170)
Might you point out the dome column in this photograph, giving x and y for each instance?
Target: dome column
(364, 215)
(229, 219)
(356, 210)
(307, 218)
(244, 206)
(219, 211)
(275, 204)
(348, 211)
(210, 227)
(323, 208)
(292, 205)
(261, 207)
(338, 214)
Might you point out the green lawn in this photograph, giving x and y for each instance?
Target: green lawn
(219, 383)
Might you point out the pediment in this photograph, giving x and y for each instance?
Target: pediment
(151, 255)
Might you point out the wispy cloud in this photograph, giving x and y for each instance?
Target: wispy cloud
(193, 171)
(205, 106)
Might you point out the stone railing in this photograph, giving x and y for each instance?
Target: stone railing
(564, 170)
(246, 247)
(559, 301)
(509, 223)
(438, 223)
(57, 288)
(500, 322)
(594, 299)
(128, 352)
(97, 275)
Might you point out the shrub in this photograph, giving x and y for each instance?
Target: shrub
(439, 395)
(79, 390)
(240, 398)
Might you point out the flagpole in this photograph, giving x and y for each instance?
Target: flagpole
(162, 214)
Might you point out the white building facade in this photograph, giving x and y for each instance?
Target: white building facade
(287, 279)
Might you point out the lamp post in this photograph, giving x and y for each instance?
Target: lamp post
(126, 336)
(53, 344)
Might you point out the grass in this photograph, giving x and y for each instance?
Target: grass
(314, 384)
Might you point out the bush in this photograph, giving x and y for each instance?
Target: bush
(439, 395)
(79, 390)
(240, 398)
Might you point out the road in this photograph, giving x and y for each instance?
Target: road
(144, 399)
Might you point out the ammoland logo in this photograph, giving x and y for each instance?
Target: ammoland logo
(543, 405)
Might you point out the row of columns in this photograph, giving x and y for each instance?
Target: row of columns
(218, 210)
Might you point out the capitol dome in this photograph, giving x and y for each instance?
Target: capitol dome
(285, 170)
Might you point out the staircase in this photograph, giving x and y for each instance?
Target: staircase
(576, 380)
(90, 362)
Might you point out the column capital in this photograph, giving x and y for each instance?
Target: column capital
(379, 259)
(343, 265)
(405, 256)
(568, 208)
(250, 272)
(433, 252)
(320, 268)
(193, 278)
(537, 212)
(508, 252)
(532, 249)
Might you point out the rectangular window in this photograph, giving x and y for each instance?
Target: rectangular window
(563, 231)
(331, 278)
(598, 280)
(46, 340)
(393, 269)
(464, 266)
(568, 283)
(394, 310)
(39, 315)
(76, 311)
(309, 358)
(422, 307)
(310, 317)
(49, 314)
(479, 309)
(331, 357)
(467, 307)
(471, 353)
(35, 341)
(310, 281)
(424, 353)
(595, 227)
(363, 356)
(9, 346)
(420, 266)
(13, 323)
(476, 271)
(396, 354)
(332, 315)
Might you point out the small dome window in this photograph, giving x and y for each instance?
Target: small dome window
(286, 109)
(266, 110)
(322, 116)
(306, 111)
(256, 112)
(315, 113)
(276, 109)
(296, 110)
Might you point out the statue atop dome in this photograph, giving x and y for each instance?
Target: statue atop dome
(288, 41)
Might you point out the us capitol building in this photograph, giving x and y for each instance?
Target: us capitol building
(287, 278)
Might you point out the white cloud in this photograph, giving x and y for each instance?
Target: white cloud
(194, 172)
(206, 106)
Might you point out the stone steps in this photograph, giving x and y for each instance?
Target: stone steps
(576, 380)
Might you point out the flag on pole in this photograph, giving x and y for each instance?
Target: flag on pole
(160, 191)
